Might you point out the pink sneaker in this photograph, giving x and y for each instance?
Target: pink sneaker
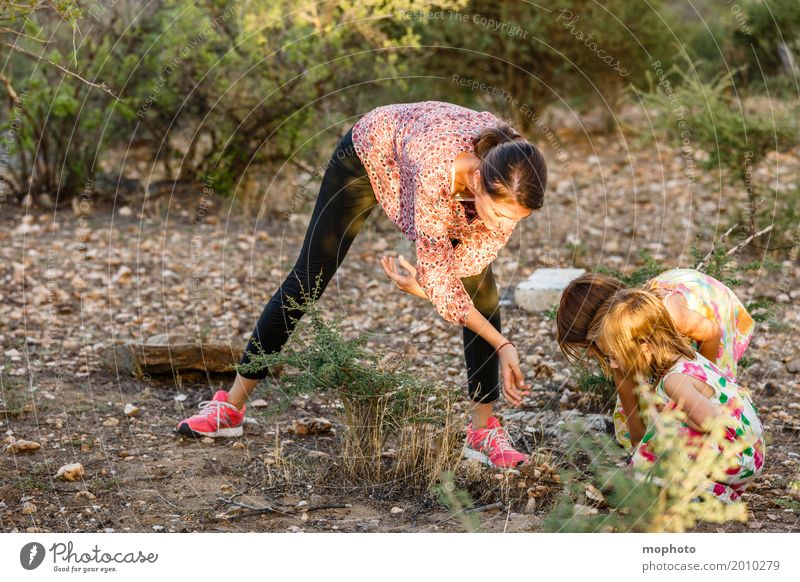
(492, 445)
(217, 418)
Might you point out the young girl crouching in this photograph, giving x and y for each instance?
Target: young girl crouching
(634, 335)
(702, 308)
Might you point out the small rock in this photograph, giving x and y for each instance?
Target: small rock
(237, 445)
(71, 472)
(783, 298)
(23, 446)
(132, 410)
(28, 508)
(585, 510)
(84, 494)
(309, 426)
(530, 506)
(396, 510)
(259, 403)
(111, 422)
(158, 528)
(794, 366)
(594, 494)
(304, 517)
(207, 441)
(294, 529)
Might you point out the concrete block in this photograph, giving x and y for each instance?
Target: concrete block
(543, 288)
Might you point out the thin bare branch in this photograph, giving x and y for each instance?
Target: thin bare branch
(101, 86)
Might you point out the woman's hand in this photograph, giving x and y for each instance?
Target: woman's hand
(514, 387)
(405, 281)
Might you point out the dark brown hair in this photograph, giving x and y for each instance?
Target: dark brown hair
(579, 304)
(511, 166)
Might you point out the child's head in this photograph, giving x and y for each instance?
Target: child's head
(579, 304)
(634, 331)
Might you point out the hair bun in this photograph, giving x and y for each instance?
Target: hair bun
(494, 136)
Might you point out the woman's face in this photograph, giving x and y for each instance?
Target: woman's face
(497, 215)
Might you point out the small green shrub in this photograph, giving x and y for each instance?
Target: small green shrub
(378, 403)
(639, 276)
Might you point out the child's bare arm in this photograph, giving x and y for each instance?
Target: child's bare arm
(705, 332)
(630, 404)
(688, 394)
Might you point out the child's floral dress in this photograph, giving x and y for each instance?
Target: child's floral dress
(744, 426)
(715, 301)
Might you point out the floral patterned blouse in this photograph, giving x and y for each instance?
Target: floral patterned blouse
(408, 150)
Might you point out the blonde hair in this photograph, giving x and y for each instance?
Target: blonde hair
(630, 319)
(577, 309)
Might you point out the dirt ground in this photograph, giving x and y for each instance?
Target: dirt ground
(74, 284)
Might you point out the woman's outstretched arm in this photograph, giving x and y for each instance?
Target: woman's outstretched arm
(514, 387)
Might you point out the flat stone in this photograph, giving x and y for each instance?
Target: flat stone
(542, 290)
(23, 446)
(555, 424)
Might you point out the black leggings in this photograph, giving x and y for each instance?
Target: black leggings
(345, 200)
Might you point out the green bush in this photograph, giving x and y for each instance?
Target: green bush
(579, 53)
(379, 403)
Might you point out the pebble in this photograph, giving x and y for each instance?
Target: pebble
(28, 508)
(238, 445)
(84, 494)
(207, 441)
(396, 510)
(132, 410)
(23, 446)
(111, 422)
(793, 366)
(71, 472)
